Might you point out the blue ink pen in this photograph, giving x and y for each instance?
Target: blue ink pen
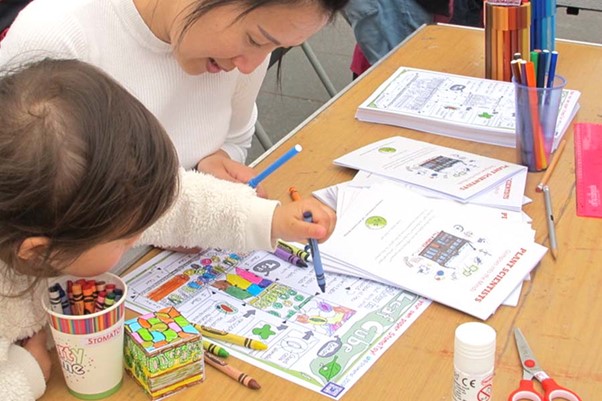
(253, 182)
(315, 255)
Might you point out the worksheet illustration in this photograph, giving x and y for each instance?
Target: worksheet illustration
(324, 342)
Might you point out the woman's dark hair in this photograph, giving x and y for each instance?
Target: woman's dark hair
(82, 162)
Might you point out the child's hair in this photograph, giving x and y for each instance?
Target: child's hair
(82, 162)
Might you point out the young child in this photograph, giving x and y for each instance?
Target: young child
(85, 169)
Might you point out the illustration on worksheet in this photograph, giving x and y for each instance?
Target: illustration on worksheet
(324, 342)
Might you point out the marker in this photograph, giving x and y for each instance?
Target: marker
(231, 338)
(289, 257)
(215, 349)
(552, 69)
(290, 248)
(253, 182)
(231, 372)
(315, 255)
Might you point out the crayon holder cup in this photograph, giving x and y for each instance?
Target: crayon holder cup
(89, 345)
(536, 115)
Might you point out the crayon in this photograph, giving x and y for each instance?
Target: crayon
(55, 299)
(100, 301)
(118, 293)
(88, 294)
(78, 299)
(231, 372)
(289, 257)
(294, 194)
(65, 305)
(215, 349)
(109, 300)
(231, 338)
(301, 253)
(315, 256)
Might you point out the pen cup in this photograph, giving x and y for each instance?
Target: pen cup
(536, 115)
(90, 346)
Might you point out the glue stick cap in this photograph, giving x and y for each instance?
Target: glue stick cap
(474, 348)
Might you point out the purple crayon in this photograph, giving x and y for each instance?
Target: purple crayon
(289, 257)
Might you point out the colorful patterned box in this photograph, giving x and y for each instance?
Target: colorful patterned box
(163, 352)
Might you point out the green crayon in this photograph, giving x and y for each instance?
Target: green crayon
(215, 349)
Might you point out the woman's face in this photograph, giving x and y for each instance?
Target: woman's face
(219, 42)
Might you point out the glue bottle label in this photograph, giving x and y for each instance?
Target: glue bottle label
(472, 387)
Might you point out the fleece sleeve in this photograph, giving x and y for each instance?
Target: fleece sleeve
(21, 378)
(213, 213)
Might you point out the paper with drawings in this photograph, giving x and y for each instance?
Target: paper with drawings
(459, 175)
(436, 248)
(323, 342)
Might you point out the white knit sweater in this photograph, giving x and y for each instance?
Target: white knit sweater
(226, 224)
(201, 114)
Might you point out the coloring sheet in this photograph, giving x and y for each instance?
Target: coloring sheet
(324, 342)
(475, 109)
(457, 174)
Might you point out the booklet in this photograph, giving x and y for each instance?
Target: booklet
(456, 254)
(475, 109)
(453, 173)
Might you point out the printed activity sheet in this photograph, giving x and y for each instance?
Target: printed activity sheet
(322, 341)
(457, 174)
(460, 255)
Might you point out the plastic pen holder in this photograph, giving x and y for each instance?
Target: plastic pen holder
(536, 116)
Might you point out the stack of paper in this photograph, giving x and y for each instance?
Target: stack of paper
(476, 109)
(438, 222)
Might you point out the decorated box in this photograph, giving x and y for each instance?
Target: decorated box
(163, 352)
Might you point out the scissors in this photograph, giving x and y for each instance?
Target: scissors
(531, 369)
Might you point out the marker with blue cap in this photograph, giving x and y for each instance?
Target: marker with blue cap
(253, 182)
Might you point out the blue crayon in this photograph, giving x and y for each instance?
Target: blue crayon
(64, 300)
(253, 182)
(315, 256)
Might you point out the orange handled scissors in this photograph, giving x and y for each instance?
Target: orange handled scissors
(531, 370)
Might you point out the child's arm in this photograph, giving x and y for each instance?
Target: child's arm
(21, 377)
(215, 213)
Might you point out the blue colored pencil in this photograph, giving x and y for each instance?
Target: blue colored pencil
(253, 182)
(315, 256)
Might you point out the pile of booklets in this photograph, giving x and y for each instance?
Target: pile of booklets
(475, 109)
(438, 222)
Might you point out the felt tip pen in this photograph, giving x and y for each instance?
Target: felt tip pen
(253, 182)
(315, 256)
(289, 257)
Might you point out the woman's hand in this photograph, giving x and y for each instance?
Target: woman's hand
(220, 165)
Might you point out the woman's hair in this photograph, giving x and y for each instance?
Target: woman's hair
(330, 7)
(82, 162)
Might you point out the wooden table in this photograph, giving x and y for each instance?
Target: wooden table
(560, 309)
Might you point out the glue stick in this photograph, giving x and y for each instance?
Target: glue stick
(474, 358)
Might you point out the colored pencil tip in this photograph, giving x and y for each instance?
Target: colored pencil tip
(254, 385)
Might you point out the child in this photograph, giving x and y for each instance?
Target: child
(85, 169)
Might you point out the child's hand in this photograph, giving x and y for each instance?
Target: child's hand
(288, 223)
(221, 166)
(36, 346)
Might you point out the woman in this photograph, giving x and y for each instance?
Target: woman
(197, 65)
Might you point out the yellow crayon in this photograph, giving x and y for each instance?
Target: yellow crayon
(231, 338)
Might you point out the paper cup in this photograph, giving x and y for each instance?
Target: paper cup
(90, 347)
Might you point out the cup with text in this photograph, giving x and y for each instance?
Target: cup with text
(87, 327)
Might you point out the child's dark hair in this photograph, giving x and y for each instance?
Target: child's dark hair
(82, 162)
